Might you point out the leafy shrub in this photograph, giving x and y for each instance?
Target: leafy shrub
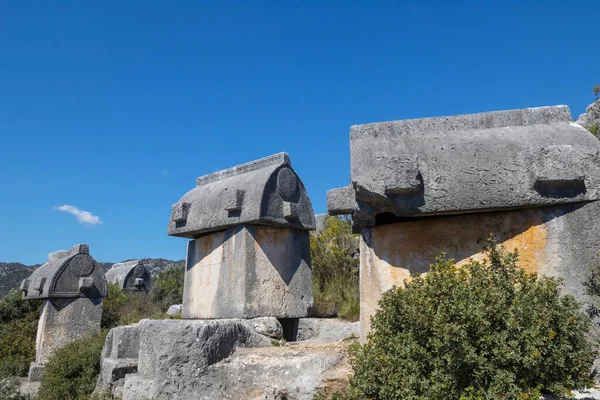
(594, 129)
(71, 371)
(18, 327)
(486, 330)
(167, 287)
(596, 90)
(335, 264)
(124, 308)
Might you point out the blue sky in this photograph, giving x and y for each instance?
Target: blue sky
(116, 107)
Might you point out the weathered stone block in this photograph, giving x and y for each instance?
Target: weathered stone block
(130, 275)
(265, 191)
(559, 241)
(227, 359)
(267, 326)
(119, 358)
(248, 271)
(469, 163)
(61, 322)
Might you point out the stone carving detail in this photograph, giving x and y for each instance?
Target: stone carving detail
(250, 253)
(130, 275)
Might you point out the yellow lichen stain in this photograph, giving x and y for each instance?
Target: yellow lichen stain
(400, 249)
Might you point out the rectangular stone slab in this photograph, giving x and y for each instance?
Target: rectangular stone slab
(248, 271)
(468, 163)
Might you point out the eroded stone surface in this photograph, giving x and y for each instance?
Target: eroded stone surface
(248, 271)
(119, 358)
(265, 191)
(553, 241)
(469, 163)
(130, 275)
(591, 116)
(218, 359)
(71, 285)
(268, 326)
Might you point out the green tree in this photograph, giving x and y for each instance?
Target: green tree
(167, 287)
(124, 307)
(335, 264)
(487, 330)
(18, 327)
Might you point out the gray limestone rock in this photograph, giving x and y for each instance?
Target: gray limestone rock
(248, 271)
(67, 274)
(119, 358)
(174, 309)
(341, 201)
(468, 163)
(130, 275)
(175, 354)
(591, 116)
(267, 326)
(326, 329)
(220, 359)
(265, 192)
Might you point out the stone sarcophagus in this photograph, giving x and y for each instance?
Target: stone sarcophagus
(71, 285)
(130, 275)
(250, 253)
(420, 187)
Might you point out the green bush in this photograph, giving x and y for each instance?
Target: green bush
(71, 372)
(124, 308)
(335, 265)
(594, 129)
(18, 327)
(167, 287)
(486, 330)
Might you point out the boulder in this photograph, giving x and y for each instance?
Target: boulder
(591, 116)
(267, 326)
(174, 309)
(219, 359)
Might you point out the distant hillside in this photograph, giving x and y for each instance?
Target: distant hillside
(11, 274)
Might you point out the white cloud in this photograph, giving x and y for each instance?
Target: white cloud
(84, 217)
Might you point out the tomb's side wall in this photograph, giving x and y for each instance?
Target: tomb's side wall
(553, 241)
(248, 271)
(64, 320)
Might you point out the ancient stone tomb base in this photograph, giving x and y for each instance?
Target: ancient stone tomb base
(248, 271)
(61, 322)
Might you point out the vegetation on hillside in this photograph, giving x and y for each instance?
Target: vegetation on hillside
(335, 263)
(487, 330)
(167, 286)
(18, 327)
